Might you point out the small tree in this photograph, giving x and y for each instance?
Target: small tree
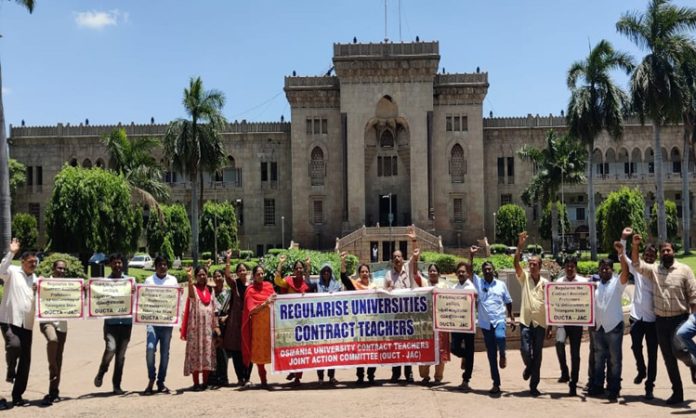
(174, 224)
(545, 221)
(91, 210)
(509, 222)
(73, 269)
(624, 207)
(167, 250)
(26, 230)
(671, 213)
(218, 219)
(18, 176)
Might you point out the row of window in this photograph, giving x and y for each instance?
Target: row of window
(456, 123)
(34, 175)
(506, 170)
(317, 126)
(631, 168)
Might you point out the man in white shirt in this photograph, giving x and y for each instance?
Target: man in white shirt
(161, 334)
(462, 344)
(572, 333)
(642, 319)
(609, 326)
(17, 319)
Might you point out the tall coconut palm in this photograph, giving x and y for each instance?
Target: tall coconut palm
(658, 89)
(562, 161)
(190, 143)
(5, 202)
(132, 158)
(596, 105)
(688, 71)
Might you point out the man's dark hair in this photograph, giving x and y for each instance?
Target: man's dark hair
(606, 261)
(487, 263)
(666, 243)
(115, 256)
(460, 265)
(27, 254)
(161, 258)
(55, 263)
(571, 259)
(650, 247)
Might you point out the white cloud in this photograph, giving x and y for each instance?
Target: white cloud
(100, 19)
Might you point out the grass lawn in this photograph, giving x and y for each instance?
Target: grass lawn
(689, 260)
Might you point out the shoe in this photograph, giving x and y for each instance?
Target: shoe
(641, 375)
(534, 392)
(371, 381)
(394, 379)
(20, 402)
(495, 390)
(564, 379)
(572, 391)
(263, 385)
(425, 381)
(148, 390)
(613, 397)
(333, 381)
(409, 381)
(290, 376)
(464, 387)
(526, 374)
(595, 391)
(360, 381)
(99, 379)
(118, 390)
(296, 382)
(502, 362)
(320, 380)
(649, 395)
(162, 389)
(674, 400)
(3, 404)
(437, 382)
(47, 400)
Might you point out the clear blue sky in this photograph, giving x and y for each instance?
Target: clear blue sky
(127, 60)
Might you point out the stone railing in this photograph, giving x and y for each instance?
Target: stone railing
(303, 82)
(67, 130)
(532, 121)
(386, 49)
(431, 241)
(463, 78)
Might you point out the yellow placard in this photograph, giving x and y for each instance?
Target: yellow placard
(110, 298)
(157, 305)
(570, 304)
(59, 298)
(454, 310)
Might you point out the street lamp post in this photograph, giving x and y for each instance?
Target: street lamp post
(494, 227)
(391, 219)
(282, 231)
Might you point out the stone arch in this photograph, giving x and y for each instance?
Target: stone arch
(457, 164)
(622, 162)
(386, 108)
(73, 162)
(636, 166)
(99, 163)
(87, 163)
(231, 173)
(675, 158)
(317, 166)
(610, 162)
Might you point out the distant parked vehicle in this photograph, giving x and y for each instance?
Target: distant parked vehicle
(141, 261)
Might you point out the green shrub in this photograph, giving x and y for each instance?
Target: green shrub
(275, 251)
(587, 268)
(317, 259)
(511, 220)
(73, 269)
(206, 255)
(167, 250)
(246, 254)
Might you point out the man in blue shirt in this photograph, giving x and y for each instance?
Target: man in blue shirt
(494, 302)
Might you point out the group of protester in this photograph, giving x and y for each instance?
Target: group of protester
(233, 322)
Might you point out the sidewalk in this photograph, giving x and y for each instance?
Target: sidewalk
(85, 345)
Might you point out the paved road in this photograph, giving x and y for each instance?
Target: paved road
(85, 344)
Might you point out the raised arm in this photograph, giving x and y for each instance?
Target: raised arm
(414, 276)
(621, 251)
(347, 283)
(521, 243)
(7, 261)
(278, 279)
(470, 267)
(625, 234)
(643, 268)
(307, 268)
(228, 270)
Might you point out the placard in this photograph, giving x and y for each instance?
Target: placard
(454, 310)
(157, 305)
(59, 299)
(110, 298)
(353, 329)
(570, 304)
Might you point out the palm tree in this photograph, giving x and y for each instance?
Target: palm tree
(658, 89)
(190, 144)
(132, 158)
(688, 71)
(596, 105)
(5, 202)
(561, 162)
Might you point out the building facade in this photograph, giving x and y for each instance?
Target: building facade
(387, 140)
